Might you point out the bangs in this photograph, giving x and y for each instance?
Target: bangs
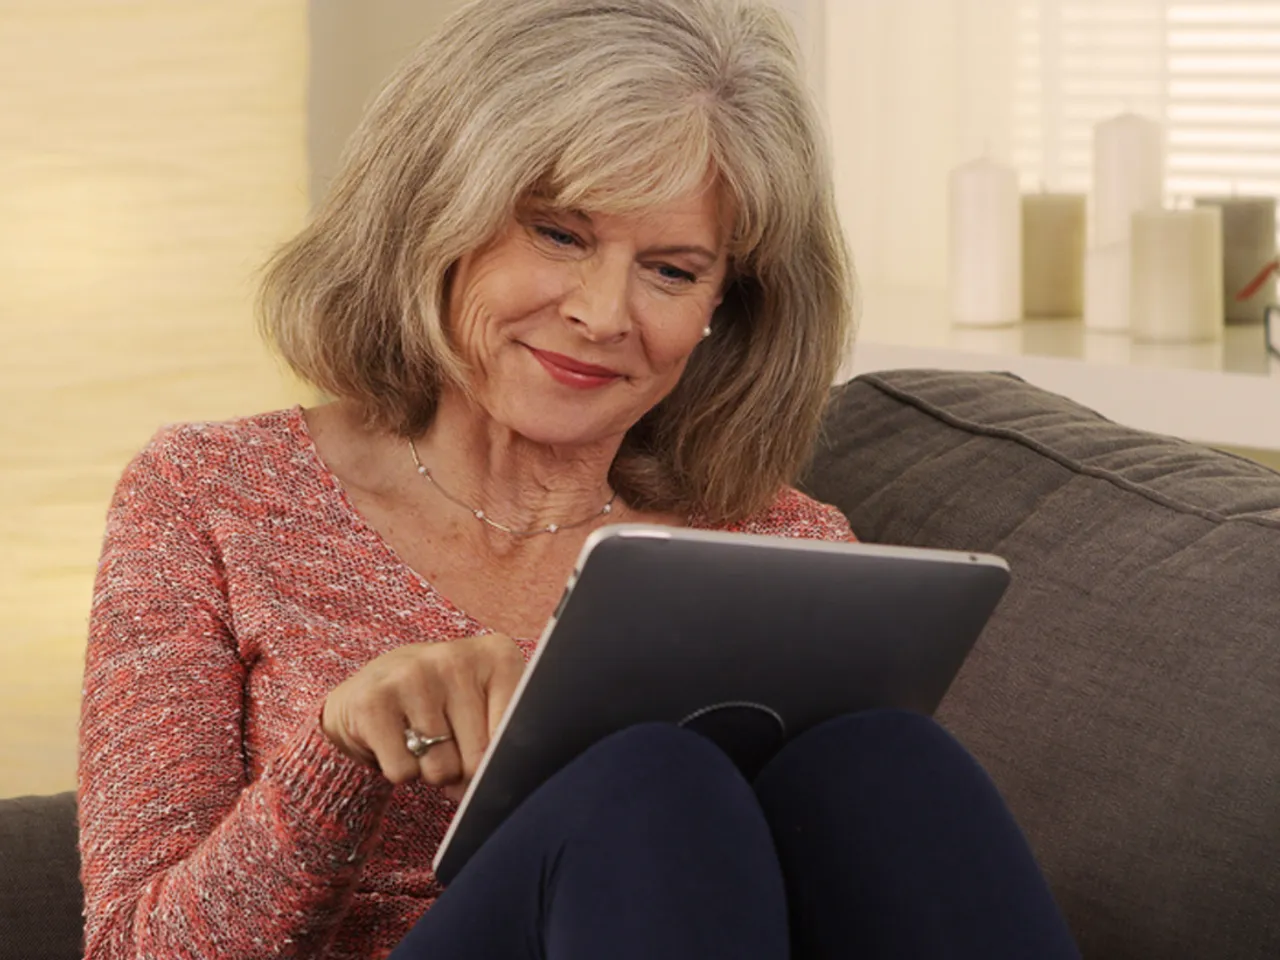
(626, 166)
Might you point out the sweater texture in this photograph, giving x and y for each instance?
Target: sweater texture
(237, 586)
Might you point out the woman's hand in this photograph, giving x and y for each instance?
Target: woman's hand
(459, 688)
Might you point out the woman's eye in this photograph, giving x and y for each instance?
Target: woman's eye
(561, 238)
(675, 274)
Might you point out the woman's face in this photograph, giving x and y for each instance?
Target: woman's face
(578, 323)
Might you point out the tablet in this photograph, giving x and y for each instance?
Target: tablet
(749, 640)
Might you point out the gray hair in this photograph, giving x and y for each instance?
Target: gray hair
(601, 105)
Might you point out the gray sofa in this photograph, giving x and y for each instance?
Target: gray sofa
(1126, 696)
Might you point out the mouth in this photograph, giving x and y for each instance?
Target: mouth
(574, 373)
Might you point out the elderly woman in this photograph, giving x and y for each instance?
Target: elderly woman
(582, 267)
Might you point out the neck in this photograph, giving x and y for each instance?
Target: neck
(517, 482)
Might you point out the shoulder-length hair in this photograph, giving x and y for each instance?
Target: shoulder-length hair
(602, 105)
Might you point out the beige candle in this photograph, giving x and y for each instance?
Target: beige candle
(1248, 245)
(1176, 275)
(1053, 241)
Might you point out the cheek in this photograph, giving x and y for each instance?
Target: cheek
(498, 291)
(670, 340)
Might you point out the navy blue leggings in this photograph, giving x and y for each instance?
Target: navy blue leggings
(874, 835)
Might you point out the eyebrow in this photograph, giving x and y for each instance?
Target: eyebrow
(678, 249)
(671, 250)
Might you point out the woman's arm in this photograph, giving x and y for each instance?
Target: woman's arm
(181, 855)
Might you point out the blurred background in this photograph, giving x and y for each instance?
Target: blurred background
(153, 153)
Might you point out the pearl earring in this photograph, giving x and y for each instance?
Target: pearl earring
(706, 332)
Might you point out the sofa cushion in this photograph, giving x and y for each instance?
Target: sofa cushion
(1126, 695)
(41, 901)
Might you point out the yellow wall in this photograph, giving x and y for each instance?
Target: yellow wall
(151, 154)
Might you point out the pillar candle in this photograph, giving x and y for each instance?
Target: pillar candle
(1248, 245)
(1176, 279)
(1053, 243)
(1128, 174)
(1106, 289)
(986, 244)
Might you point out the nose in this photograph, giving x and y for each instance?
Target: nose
(598, 303)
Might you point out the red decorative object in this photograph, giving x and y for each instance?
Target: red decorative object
(1256, 283)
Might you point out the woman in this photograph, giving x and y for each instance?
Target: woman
(582, 267)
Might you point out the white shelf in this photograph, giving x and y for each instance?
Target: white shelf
(1225, 393)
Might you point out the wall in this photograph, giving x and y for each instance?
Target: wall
(913, 89)
(354, 48)
(151, 154)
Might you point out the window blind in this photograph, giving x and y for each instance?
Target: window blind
(1209, 71)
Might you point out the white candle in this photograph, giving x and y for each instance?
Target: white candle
(1248, 245)
(986, 244)
(1176, 281)
(1053, 242)
(1128, 174)
(1106, 289)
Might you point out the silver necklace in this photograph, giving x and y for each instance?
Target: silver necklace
(483, 517)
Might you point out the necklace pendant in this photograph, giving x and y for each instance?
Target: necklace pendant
(552, 527)
(479, 514)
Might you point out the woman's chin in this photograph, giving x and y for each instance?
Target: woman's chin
(560, 428)
(563, 435)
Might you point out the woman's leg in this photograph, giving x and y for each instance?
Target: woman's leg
(895, 843)
(649, 845)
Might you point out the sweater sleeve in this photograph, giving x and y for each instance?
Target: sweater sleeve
(182, 856)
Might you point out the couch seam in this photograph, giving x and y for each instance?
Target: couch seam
(1097, 473)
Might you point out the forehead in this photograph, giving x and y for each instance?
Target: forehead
(701, 214)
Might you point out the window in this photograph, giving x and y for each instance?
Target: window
(1209, 71)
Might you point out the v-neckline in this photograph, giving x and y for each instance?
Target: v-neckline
(302, 432)
(297, 424)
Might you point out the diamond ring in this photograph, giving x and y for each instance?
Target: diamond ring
(418, 745)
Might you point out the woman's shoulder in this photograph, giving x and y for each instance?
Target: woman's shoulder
(262, 435)
(257, 447)
(792, 514)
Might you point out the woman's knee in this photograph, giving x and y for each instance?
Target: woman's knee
(886, 728)
(657, 777)
(871, 745)
(666, 754)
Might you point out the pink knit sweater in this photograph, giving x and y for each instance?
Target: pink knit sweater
(237, 586)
